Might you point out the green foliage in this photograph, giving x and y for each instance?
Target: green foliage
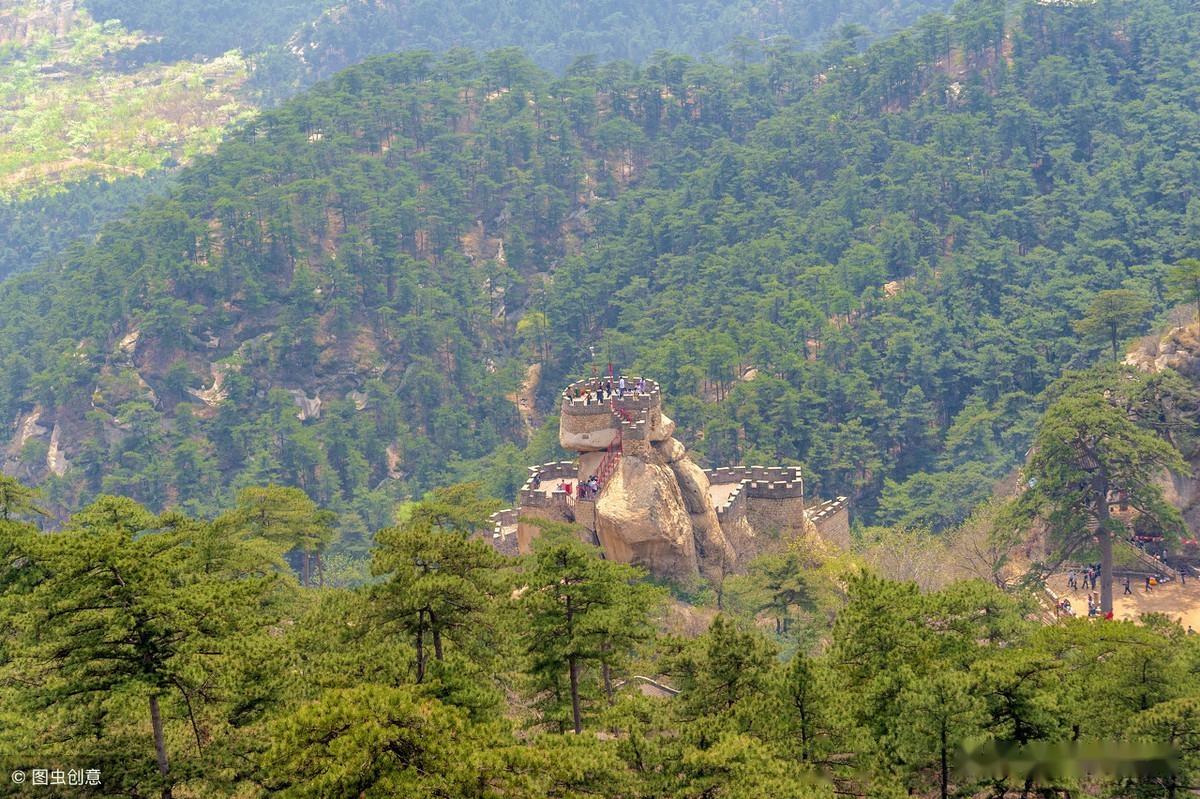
(440, 578)
(1112, 316)
(1184, 280)
(581, 612)
(180, 658)
(1090, 445)
(902, 314)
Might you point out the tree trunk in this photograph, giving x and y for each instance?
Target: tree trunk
(420, 645)
(945, 766)
(1104, 535)
(304, 569)
(437, 638)
(160, 744)
(573, 669)
(606, 673)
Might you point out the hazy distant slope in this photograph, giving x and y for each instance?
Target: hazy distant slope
(555, 33)
(329, 35)
(92, 101)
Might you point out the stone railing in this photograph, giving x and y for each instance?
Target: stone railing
(761, 482)
(826, 509)
(632, 399)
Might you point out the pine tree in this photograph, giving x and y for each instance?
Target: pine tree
(440, 577)
(132, 609)
(577, 613)
(1088, 447)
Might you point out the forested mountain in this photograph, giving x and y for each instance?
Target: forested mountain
(113, 90)
(329, 35)
(894, 245)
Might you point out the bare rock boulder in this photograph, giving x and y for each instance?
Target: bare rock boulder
(713, 551)
(641, 518)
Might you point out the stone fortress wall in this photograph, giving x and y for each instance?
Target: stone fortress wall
(832, 520)
(587, 423)
(655, 507)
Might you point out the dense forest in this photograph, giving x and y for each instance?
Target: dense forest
(305, 40)
(896, 245)
(255, 423)
(181, 657)
(109, 89)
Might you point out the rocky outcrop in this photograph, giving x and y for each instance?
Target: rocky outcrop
(714, 554)
(56, 461)
(309, 408)
(641, 518)
(1178, 349)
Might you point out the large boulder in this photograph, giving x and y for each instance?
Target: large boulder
(713, 551)
(641, 518)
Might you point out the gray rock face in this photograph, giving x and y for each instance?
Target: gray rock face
(641, 518)
(713, 551)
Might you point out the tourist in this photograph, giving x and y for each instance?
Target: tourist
(1128, 590)
(641, 385)
(1148, 588)
(1182, 576)
(1108, 616)
(1072, 583)
(621, 387)
(537, 480)
(1190, 630)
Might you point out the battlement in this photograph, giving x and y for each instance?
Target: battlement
(588, 423)
(547, 496)
(832, 520)
(572, 402)
(761, 482)
(504, 530)
(734, 505)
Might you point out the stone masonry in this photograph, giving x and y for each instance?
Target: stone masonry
(655, 507)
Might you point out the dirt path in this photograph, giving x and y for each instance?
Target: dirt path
(523, 398)
(1180, 602)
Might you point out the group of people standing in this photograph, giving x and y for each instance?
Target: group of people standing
(1089, 577)
(607, 389)
(589, 488)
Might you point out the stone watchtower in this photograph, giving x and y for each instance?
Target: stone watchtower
(634, 490)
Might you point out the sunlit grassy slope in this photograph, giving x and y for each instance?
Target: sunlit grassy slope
(68, 110)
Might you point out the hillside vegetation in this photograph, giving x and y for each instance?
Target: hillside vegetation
(461, 673)
(83, 136)
(70, 113)
(91, 104)
(895, 245)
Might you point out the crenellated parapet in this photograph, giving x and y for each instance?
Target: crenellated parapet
(504, 530)
(546, 495)
(832, 520)
(765, 482)
(591, 419)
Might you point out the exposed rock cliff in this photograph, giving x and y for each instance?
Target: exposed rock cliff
(641, 518)
(713, 551)
(1178, 349)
